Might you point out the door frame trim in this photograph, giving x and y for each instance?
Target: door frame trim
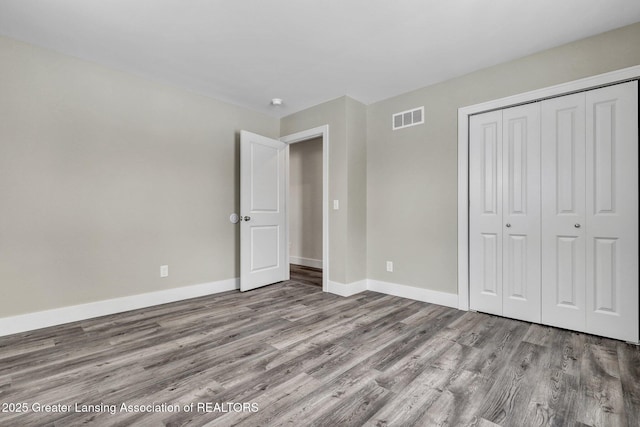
(305, 135)
(593, 82)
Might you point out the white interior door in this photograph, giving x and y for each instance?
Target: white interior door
(563, 212)
(263, 226)
(485, 212)
(521, 212)
(612, 211)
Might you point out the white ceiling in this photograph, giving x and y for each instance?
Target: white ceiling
(306, 51)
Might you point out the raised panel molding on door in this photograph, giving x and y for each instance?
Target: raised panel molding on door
(551, 228)
(263, 251)
(521, 212)
(553, 212)
(563, 212)
(485, 208)
(612, 211)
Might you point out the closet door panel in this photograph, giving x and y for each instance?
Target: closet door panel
(485, 212)
(563, 212)
(612, 211)
(521, 212)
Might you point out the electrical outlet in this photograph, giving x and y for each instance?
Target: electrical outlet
(164, 271)
(390, 266)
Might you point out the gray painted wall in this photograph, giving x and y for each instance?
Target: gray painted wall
(332, 113)
(357, 191)
(305, 199)
(105, 176)
(412, 172)
(347, 181)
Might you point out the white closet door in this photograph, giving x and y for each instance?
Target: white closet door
(563, 212)
(485, 212)
(521, 212)
(612, 211)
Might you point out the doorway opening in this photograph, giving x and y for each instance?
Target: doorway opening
(305, 211)
(308, 205)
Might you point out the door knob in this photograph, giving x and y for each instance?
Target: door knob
(508, 225)
(247, 218)
(577, 226)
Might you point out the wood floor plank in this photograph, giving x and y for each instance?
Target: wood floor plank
(327, 397)
(410, 340)
(541, 335)
(409, 405)
(475, 328)
(629, 364)
(555, 392)
(27, 348)
(306, 275)
(354, 410)
(499, 346)
(457, 404)
(510, 395)
(600, 401)
(553, 400)
(280, 400)
(312, 358)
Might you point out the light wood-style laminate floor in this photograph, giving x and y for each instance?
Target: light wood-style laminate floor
(311, 358)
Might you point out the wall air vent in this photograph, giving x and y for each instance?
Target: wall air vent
(408, 118)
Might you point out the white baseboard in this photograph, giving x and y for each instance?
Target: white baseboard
(59, 316)
(43, 319)
(346, 289)
(395, 289)
(307, 262)
(411, 292)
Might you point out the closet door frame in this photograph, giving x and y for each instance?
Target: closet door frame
(464, 113)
